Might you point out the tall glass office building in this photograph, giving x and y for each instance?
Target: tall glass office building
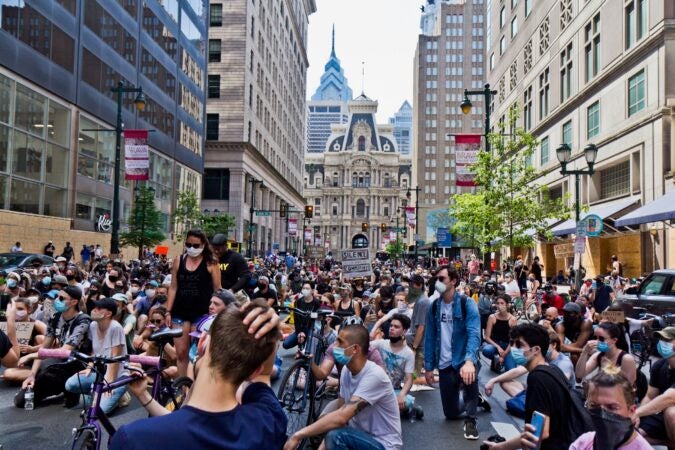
(58, 61)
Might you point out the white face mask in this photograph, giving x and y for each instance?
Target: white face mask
(305, 292)
(150, 293)
(21, 314)
(194, 252)
(134, 289)
(440, 287)
(402, 307)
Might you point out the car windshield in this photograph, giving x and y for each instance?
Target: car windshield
(653, 285)
(10, 260)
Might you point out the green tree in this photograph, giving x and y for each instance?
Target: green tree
(189, 216)
(214, 224)
(509, 206)
(396, 248)
(145, 223)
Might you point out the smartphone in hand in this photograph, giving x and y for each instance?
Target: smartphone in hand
(538, 421)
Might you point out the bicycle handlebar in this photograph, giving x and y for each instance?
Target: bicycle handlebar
(316, 314)
(58, 353)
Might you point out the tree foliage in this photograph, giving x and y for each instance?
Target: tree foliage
(396, 249)
(509, 207)
(188, 216)
(145, 223)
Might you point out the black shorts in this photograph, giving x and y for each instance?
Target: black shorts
(654, 426)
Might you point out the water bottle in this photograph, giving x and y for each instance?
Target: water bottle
(28, 400)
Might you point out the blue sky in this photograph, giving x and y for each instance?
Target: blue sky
(382, 33)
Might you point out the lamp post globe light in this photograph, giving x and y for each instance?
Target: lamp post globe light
(139, 103)
(564, 155)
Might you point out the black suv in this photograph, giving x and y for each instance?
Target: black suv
(655, 295)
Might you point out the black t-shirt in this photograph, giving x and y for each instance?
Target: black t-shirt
(662, 376)
(5, 344)
(271, 294)
(536, 271)
(547, 397)
(234, 271)
(302, 324)
(602, 300)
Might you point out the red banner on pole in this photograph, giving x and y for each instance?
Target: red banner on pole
(467, 147)
(292, 227)
(410, 216)
(136, 155)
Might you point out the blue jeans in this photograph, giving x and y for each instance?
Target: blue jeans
(291, 340)
(81, 384)
(489, 351)
(347, 438)
(450, 384)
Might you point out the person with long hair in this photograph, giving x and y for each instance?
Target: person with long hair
(194, 277)
(608, 347)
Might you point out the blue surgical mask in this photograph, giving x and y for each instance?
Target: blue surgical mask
(603, 347)
(11, 283)
(47, 281)
(519, 357)
(340, 357)
(60, 306)
(549, 352)
(665, 349)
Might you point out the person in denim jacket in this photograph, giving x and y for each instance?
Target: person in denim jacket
(451, 341)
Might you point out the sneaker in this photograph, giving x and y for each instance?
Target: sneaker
(19, 400)
(70, 400)
(484, 403)
(124, 400)
(470, 430)
(418, 412)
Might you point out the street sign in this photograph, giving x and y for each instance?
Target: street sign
(594, 225)
(563, 250)
(580, 244)
(263, 213)
(581, 229)
(443, 238)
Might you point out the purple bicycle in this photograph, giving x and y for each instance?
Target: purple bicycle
(170, 394)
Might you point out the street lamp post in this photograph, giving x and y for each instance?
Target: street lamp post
(251, 210)
(466, 106)
(120, 90)
(417, 230)
(564, 154)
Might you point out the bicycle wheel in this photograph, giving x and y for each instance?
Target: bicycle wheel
(177, 393)
(292, 396)
(85, 439)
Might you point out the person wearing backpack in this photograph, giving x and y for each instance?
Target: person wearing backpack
(547, 393)
(451, 341)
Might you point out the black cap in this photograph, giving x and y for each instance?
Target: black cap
(225, 295)
(107, 303)
(219, 239)
(73, 292)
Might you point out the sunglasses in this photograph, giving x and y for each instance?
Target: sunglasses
(157, 322)
(442, 279)
(63, 299)
(188, 245)
(601, 338)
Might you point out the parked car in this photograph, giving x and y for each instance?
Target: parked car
(12, 261)
(655, 295)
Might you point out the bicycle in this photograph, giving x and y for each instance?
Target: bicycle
(170, 394)
(299, 395)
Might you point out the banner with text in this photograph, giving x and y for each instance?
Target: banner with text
(410, 216)
(293, 227)
(467, 147)
(136, 155)
(308, 235)
(356, 263)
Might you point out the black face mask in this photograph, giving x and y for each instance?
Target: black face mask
(611, 430)
(70, 277)
(112, 279)
(262, 286)
(395, 340)
(161, 299)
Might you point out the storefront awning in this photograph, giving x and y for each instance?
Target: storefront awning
(663, 208)
(605, 210)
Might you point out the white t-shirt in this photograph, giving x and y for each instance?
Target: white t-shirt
(113, 337)
(397, 364)
(446, 335)
(381, 418)
(512, 288)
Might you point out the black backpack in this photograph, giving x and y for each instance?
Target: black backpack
(85, 346)
(579, 420)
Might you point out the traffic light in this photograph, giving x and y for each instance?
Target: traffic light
(364, 227)
(383, 227)
(309, 211)
(283, 209)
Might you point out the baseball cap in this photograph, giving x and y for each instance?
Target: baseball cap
(73, 292)
(366, 294)
(61, 259)
(219, 239)
(152, 283)
(666, 333)
(59, 279)
(226, 296)
(107, 303)
(121, 297)
(203, 325)
(573, 308)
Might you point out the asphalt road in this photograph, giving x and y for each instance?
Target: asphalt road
(50, 426)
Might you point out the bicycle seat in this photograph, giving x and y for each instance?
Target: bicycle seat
(166, 335)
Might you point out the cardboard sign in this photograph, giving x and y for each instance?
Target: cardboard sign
(356, 263)
(24, 330)
(162, 250)
(614, 316)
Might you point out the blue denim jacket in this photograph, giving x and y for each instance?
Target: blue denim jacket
(465, 334)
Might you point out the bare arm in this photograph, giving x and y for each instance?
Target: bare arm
(171, 297)
(657, 403)
(321, 372)
(587, 362)
(214, 269)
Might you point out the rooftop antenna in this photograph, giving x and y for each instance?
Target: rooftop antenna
(332, 52)
(363, 77)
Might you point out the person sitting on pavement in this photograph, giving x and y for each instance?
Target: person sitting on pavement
(107, 339)
(608, 348)
(367, 416)
(547, 393)
(22, 309)
(305, 302)
(610, 400)
(12, 285)
(574, 331)
(10, 349)
(656, 414)
(511, 286)
(69, 327)
(239, 354)
(551, 318)
(265, 291)
(552, 298)
(496, 347)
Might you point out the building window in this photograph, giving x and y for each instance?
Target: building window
(592, 47)
(565, 13)
(362, 144)
(636, 93)
(566, 73)
(216, 15)
(214, 50)
(527, 108)
(216, 184)
(636, 17)
(528, 7)
(615, 180)
(543, 36)
(212, 127)
(527, 57)
(544, 88)
(214, 86)
(502, 16)
(567, 133)
(593, 120)
(335, 210)
(544, 151)
(492, 61)
(360, 208)
(502, 45)
(514, 27)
